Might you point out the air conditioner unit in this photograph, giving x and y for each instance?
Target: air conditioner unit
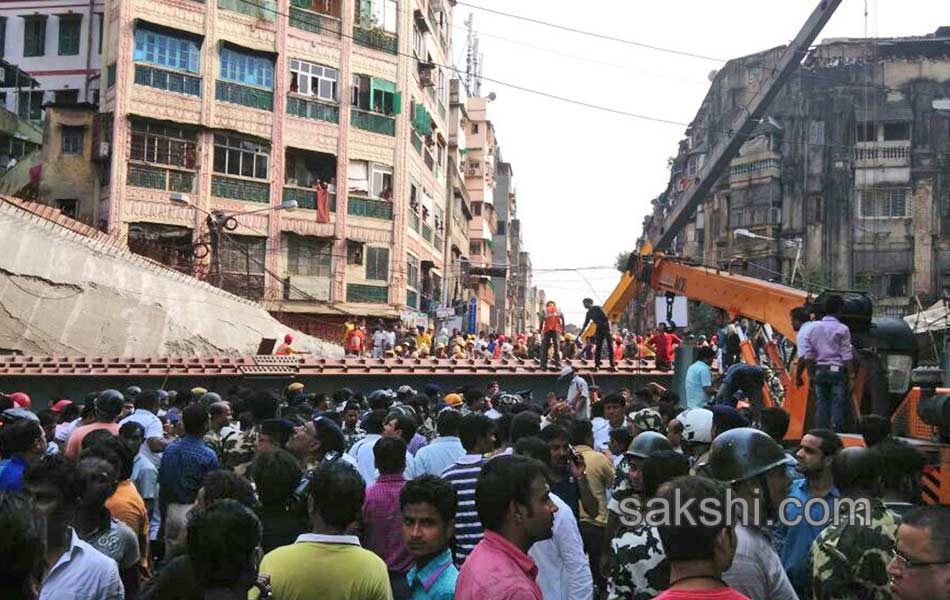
(104, 150)
(309, 288)
(472, 172)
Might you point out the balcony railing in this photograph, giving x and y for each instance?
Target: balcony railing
(376, 38)
(374, 122)
(240, 189)
(259, 9)
(755, 167)
(161, 179)
(305, 197)
(314, 22)
(370, 294)
(170, 81)
(310, 109)
(883, 153)
(367, 207)
(236, 93)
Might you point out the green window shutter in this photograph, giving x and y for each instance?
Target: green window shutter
(69, 29)
(381, 85)
(397, 103)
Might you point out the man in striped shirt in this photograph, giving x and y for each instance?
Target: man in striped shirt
(477, 433)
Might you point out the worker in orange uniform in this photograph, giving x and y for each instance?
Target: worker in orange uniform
(552, 326)
(286, 349)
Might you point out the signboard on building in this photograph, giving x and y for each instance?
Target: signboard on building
(679, 311)
(472, 315)
(445, 313)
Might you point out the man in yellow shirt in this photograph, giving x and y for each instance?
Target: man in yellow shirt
(328, 563)
(424, 339)
(600, 475)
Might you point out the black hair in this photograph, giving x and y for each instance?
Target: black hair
(503, 429)
(276, 475)
(390, 455)
(222, 541)
(525, 424)
(858, 469)
(834, 304)
(705, 353)
(874, 429)
(263, 405)
(900, 460)
(473, 395)
(112, 450)
(661, 467)
(375, 421)
(582, 432)
(95, 438)
(216, 409)
(337, 491)
(622, 436)
(352, 406)
(775, 421)
(379, 402)
(47, 418)
(127, 429)
(432, 490)
(221, 484)
(22, 546)
(694, 537)
(830, 442)
(935, 518)
(19, 436)
(58, 471)
(553, 432)
(280, 431)
(504, 480)
(69, 412)
(148, 400)
(800, 313)
(472, 428)
(613, 398)
(195, 418)
(534, 447)
(406, 424)
(447, 423)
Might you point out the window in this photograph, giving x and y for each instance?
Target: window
(3, 36)
(378, 95)
(885, 203)
(69, 28)
(246, 68)
(309, 256)
(440, 154)
(442, 87)
(30, 105)
(813, 212)
(163, 145)
(102, 19)
(500, 230)
(474, 127)
(67, 96)
(412, 271)
(866, 132)
(68, 206)
(354, 253)
(413, 197)
(894, 132)
(166, 50)
(895, 285)
(477, 209)
(377, 13)
(377, 264)
(475, 248)
(418, 43)
(235, 155)
(72, 140)
(382, 184)
(313, 80)
(242, 254)
(34, 36)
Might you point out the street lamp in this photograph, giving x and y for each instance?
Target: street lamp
(218, 222)
(797, 243)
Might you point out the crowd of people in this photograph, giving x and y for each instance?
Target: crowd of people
(469, 494)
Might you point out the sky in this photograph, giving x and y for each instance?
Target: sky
(585, 177)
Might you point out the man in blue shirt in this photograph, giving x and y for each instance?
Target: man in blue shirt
(22, 440)
(814, 456)
(699, 387)
(184, 466)
(443, 451)
(428, 510)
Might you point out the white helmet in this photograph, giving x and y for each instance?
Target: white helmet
(697, 425)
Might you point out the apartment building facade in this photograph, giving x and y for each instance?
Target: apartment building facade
(845, 184)
(241, 108)
(480, 181)
(59, 44)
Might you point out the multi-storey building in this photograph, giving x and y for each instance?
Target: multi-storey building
(479, 171)
(845, 184)
(457, 291)
(505, 210)
(59, 44)
(238, 107)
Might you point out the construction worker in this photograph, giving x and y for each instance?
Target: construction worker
(552, 326)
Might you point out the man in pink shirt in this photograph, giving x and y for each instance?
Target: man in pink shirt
(382, 515)
(515, 507)
(109, 406)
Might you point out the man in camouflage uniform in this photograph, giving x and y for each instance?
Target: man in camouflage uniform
(239, 449)
(849, 561)
(639, 569)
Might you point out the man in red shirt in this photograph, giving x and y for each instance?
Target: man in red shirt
(664, 344)
(382, 515)
(552, 326)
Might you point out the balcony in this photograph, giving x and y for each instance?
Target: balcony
(236, 93)
(375, 122)
(259, 9)
(882, 154)
(369, 294)
(310, 109)
(305, 198)
(240, 189)
(302, 16)
(376, 38)
(367, 207)
(161, 179)
(170, 81)
(755, 169)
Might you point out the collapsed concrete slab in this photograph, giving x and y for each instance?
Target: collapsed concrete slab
(66, 289)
